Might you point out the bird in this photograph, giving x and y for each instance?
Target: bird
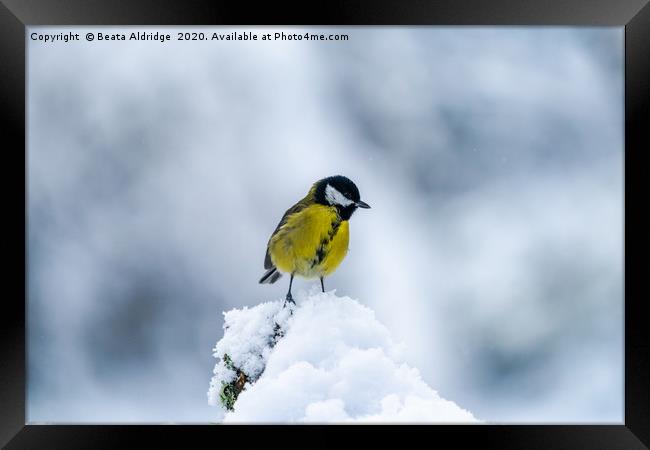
(312, 237)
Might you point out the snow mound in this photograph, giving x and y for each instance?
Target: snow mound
(330, 361)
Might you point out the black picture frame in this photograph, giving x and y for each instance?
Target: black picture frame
(634, 15)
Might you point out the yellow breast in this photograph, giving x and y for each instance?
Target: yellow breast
(312, 243)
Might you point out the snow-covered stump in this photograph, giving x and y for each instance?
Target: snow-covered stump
(330, 361)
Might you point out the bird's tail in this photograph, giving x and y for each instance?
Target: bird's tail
(270, 276)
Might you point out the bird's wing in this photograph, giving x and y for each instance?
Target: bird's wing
(302, 204)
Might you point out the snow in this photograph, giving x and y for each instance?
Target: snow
(334, 363)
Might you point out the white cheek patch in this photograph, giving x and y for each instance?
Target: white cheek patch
(334, 197)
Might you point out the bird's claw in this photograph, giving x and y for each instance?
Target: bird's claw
(289, 299)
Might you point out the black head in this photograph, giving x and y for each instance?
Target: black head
(340, 192)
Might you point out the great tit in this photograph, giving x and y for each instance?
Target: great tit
(312, 237)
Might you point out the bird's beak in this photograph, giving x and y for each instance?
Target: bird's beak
(363, 205)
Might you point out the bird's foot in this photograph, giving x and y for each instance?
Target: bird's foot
(289, 299)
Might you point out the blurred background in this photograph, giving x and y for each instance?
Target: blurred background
(492, 158)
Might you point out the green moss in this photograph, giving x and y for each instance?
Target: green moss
(230, 391)
(228, 395)
(228, 362)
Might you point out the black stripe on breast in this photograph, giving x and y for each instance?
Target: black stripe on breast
(320, 251)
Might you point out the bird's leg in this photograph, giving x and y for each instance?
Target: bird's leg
(289, 298)
(322, 285)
